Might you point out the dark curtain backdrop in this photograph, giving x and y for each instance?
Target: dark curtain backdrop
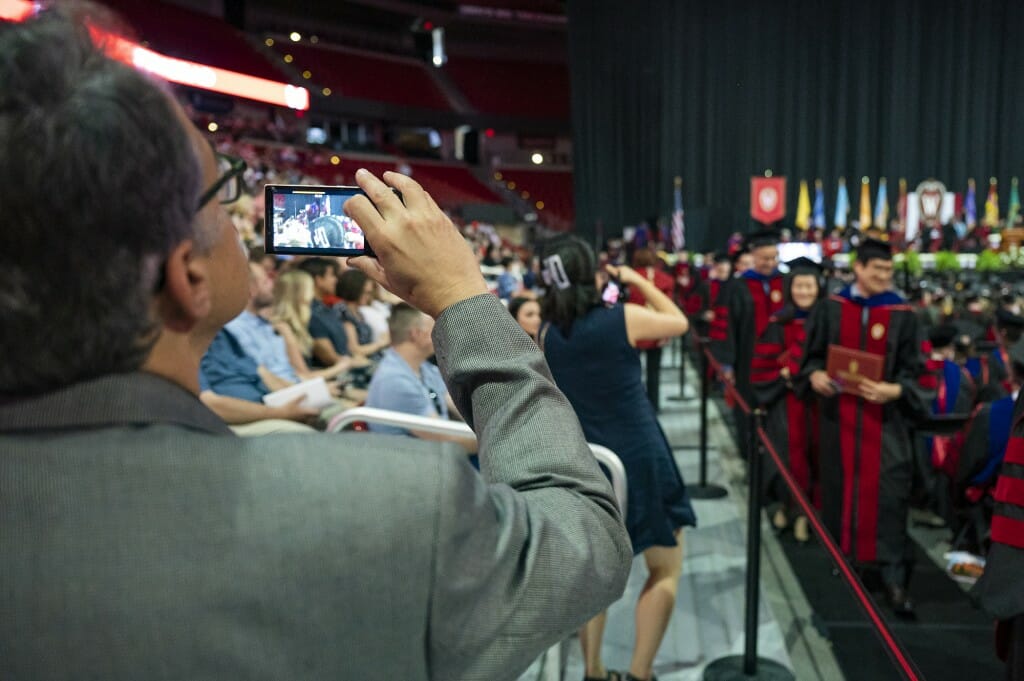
(719, 90)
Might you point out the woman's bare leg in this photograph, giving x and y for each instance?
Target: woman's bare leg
(656, 602)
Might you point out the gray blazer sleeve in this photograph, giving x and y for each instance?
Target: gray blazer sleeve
(535, 547)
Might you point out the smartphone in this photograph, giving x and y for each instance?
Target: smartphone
(611, 293)
(309, 220)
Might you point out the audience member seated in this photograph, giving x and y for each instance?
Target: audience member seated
(377, 312)
(406, 381)
(292, 301)
(232, 385)
(526, 312)
(255, 334)
(357, 290)
(330, 343)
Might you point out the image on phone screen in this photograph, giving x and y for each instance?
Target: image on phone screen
(309, 220)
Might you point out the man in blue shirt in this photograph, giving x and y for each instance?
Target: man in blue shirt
(405, 381)
(255, 334)
(232, 385)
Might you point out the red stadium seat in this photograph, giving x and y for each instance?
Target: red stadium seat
(510, 88)
(553, 188)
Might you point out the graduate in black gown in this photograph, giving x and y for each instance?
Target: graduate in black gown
(867, 452)
(748, 303)
(792, 420)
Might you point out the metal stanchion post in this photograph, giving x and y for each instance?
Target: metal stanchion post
(682, 368)
(749, 666)
(704, 490)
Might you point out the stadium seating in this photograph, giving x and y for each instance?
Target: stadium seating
(451, 184)
(360, 75)
(179, 32)
(509, 88)
(551, 187)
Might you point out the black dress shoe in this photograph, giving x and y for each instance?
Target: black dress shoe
(899, 601)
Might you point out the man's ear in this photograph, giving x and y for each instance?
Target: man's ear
(185, 297)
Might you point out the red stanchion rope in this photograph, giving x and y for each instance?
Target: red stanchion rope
(892, 646)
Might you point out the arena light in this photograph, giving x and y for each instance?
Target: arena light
(206, 77)
(180, 71)
(16, 10)
(295, 36)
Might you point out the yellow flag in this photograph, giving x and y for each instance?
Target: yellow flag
(992, 205)
(865, 203)
(803, 207)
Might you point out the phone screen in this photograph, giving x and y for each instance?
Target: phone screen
(610, 294)
(309, 220)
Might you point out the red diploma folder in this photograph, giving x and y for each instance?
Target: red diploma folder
(849, 367)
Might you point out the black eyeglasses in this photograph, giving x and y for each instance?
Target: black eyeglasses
(228, 186)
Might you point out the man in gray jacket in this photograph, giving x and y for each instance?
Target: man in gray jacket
(139, 539)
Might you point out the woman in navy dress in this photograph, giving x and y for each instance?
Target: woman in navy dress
(590, 346)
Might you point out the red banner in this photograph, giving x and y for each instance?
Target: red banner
(767, 198)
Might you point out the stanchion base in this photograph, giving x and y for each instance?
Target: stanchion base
(709, 491)
(731, 669)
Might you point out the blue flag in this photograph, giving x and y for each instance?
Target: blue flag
(971, 206)
(842, 205)
(818, 214)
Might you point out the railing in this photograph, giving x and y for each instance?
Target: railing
(384, 417)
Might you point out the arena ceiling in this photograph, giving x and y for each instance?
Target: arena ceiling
(530, 29)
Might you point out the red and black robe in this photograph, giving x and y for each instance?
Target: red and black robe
(745, 307)
(742, 312)
(867, 452)
(792, 420)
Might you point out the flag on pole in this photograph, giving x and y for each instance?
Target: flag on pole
(842, 205)
(678, 226)
(865, 202)
(1014, 210)
(901, 205)
(803, 207)
(971, 206)
(992, 204)
(818, 215)
(882, 205)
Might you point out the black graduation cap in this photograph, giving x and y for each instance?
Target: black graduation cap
(1007, 320)
(942, 336)
(765, 237)
(719, 258)
(803, 265)
(869, 249)
(968, 332)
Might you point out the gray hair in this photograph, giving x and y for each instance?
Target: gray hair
(99, 181)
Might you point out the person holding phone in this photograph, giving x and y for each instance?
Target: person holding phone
(141, 538)
(591, 348)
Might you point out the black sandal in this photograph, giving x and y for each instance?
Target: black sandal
(610, 676)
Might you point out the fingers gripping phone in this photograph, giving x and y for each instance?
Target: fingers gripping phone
(310, 220)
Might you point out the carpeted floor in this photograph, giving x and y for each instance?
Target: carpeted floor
(951, 639)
